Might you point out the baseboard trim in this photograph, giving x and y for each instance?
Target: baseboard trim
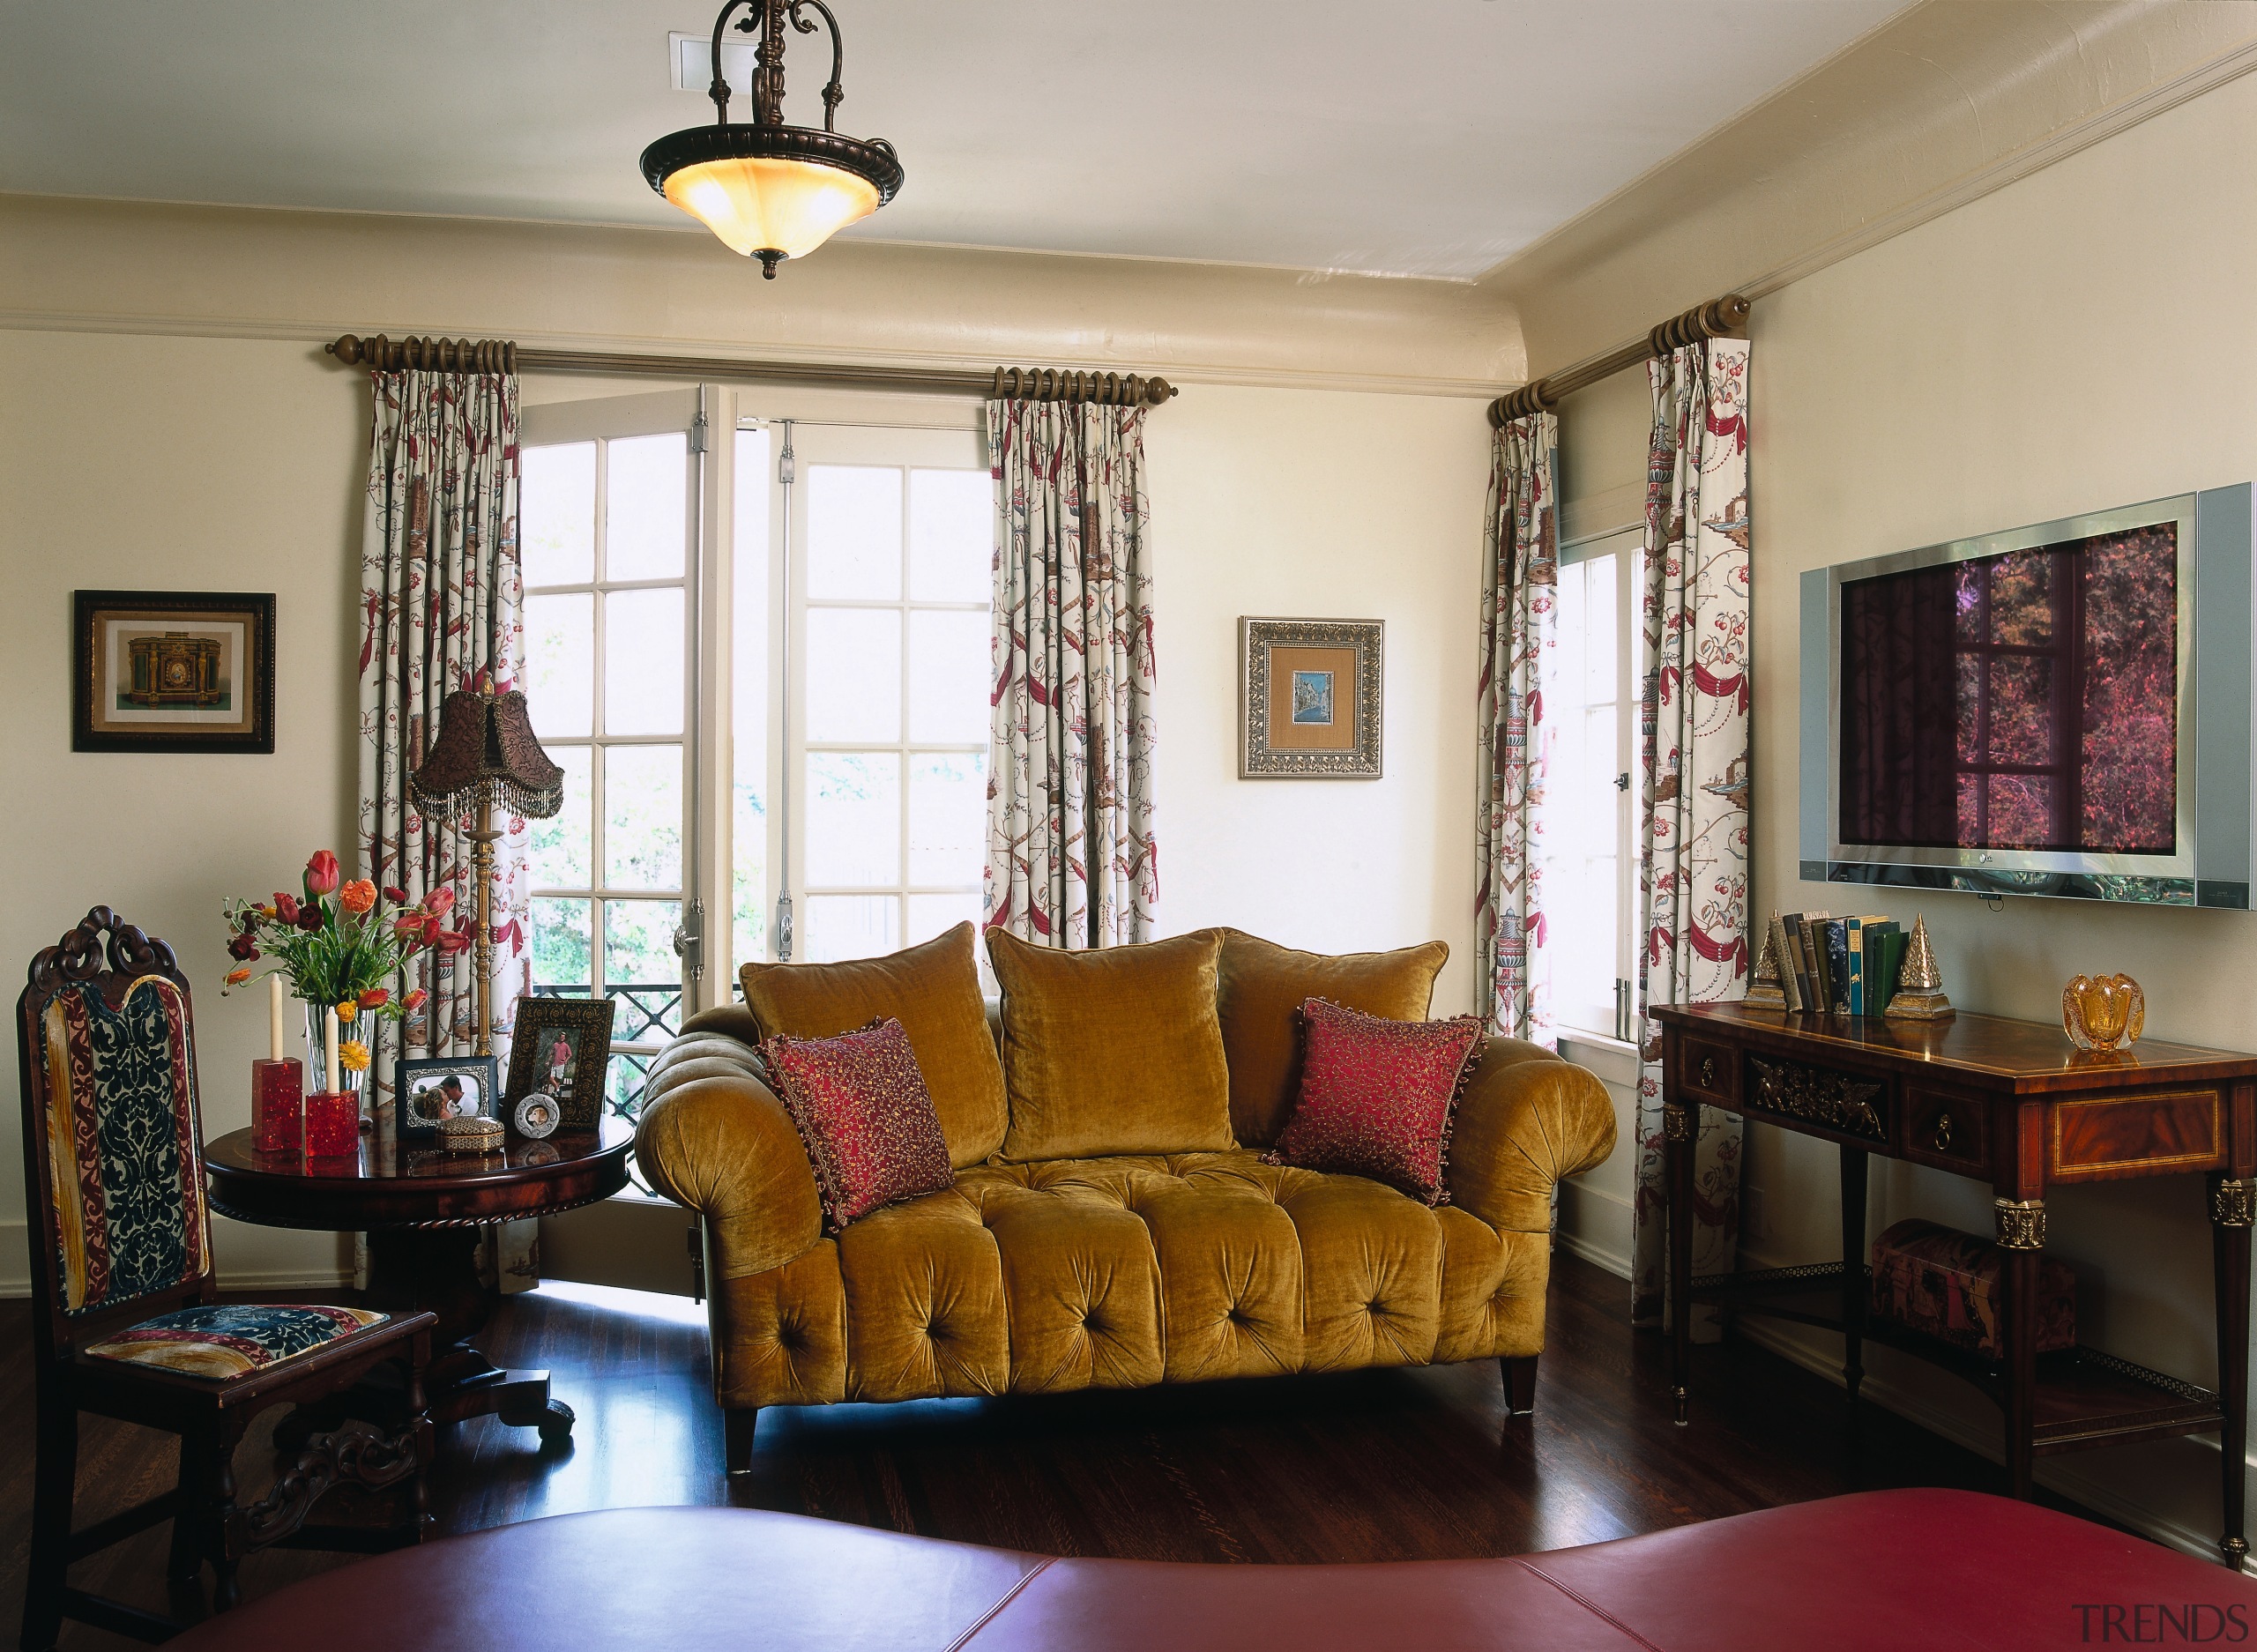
(2056, 1474)
(1597, 1255)
(16, 1279)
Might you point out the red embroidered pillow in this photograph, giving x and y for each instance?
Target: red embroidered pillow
(1376, 1097)
(861, 1109)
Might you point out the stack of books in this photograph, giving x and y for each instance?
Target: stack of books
(1846, 965)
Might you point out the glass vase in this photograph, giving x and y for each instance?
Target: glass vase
(348, 1081)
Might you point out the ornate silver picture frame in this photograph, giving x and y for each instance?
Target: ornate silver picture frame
(1310, 703)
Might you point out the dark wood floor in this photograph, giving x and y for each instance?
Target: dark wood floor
(1365, 1466)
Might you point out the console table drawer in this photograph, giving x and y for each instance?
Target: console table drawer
(1853, 1104)
(1948, 1130)
(1709, 1071)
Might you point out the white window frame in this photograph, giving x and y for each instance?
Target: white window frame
(703, 739)
(829, 431)
(1627, 544)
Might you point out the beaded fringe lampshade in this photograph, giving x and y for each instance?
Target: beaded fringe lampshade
(485, 754)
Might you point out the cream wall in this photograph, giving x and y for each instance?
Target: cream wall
(2080, 339)
(166, 420)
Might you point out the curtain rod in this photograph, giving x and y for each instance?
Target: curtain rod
(501, 355)
(1725, 317)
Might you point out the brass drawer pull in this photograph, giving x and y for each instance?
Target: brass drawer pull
(1708, 1072)
(1941, 1140)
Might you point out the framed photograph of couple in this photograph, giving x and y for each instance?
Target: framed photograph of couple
(1309, 701)
(562, 1050)
(189, 671)
(430, 1089)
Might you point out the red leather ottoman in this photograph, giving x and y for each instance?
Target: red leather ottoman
(1889, 1571)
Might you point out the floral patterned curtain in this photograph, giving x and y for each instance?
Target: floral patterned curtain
(1071, 858)
(1520, 577)
(1692, 865)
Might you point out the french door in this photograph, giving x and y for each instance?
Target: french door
(617, 501)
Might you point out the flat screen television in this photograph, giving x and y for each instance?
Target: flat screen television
(2060, 709)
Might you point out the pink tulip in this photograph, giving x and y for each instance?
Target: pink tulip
(322, 874)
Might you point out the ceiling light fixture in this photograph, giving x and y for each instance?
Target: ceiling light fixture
(769, 190)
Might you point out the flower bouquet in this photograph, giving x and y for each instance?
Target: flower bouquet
(338, 946)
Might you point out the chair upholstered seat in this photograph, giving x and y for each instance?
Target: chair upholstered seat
(220, 1340)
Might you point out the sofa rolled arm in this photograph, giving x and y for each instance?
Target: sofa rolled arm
(714, 1137)
(1527, 1119)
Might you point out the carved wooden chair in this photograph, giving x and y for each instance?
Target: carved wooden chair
(126, 1318)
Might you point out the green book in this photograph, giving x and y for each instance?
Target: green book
(1892, 962)
(1855, 954)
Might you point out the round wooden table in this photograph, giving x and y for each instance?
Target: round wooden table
(422, 1208)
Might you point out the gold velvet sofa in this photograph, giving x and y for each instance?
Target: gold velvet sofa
(1041, 1270)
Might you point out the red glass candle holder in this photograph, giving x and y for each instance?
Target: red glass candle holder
(332, 1124)
(278, 1104)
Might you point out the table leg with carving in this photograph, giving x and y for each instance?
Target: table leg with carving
(2022, 1235)
(1854, 1291)
(2233, 1204)
(1678, 1122)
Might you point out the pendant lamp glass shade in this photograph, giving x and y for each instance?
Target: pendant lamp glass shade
(757, 204)
(769, 190)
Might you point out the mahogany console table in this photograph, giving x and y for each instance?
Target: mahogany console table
(2012, 1103)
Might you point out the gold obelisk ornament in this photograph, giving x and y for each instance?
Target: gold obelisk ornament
(2099, 1012)
(1920, 984)
(1764, 992)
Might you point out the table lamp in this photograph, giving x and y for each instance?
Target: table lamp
(485, 754)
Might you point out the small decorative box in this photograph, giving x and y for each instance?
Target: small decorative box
(1947, 1284)
(471, 1136)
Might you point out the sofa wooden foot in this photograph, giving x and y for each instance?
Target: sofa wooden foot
(1520, 1385)
(737, 1425)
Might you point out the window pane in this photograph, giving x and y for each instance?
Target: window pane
(838, 926)
(560, 936)
(930, 915)
(624, 1079)
(642, 822)
(949, 651)
(560, 664)
(948, 817)
(855, 532)
(638, 949)
(951, 536)
(560, 843)
(749, 705)
(853, 675)
(854, 819)
(557, 515)
(642, 662)
(1599, 573)
(646, 514)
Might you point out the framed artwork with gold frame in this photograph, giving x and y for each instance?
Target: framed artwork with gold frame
(1309, 705)
(189, 670)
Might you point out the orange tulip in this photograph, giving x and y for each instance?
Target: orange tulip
(358, 895)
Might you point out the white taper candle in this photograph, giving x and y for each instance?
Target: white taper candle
(274, 1017)
(329, 1053)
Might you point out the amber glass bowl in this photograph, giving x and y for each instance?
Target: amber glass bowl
(2099, 1012)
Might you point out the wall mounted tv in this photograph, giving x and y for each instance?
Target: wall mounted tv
(2061, 709)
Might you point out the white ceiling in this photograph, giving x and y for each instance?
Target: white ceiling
(1428, 138)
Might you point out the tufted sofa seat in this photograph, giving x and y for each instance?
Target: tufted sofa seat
(1108, 1271)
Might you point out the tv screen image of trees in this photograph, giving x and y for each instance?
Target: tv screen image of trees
(2023, 701)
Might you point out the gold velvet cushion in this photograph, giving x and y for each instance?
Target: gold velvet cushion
(1114, 1050)
(1260, 992)
(933, 991)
